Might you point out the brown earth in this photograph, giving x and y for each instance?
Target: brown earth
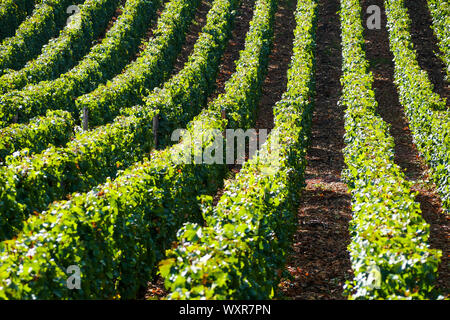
(192, 35)
(276, 79)
(426, 45)
(320, 264)
(111, 22)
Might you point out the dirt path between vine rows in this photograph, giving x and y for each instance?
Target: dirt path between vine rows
(320, 263)
(406, 154)
(111, 22)
(148, 33)
(155, 288)
(275, 83)
(192, 35)
(426, 44)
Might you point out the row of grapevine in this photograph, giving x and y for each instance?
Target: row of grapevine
(30, 183)
(440, 15)
(47, 19)
(183, 96)
(428, 118)
(104, 61)
(62, 53)
(12, 13)
(170, 32)
(116, 232)
(150, 69)
(390, 255)
(55, 128)
(246, 238)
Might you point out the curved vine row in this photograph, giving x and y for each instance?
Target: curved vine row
(62, 53)
(47, 19)
(12, 13)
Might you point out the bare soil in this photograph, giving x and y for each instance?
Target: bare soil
(320, 263)
(426, 45)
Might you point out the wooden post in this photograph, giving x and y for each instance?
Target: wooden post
(85, 119)
(224, 114)
(224, 134)
(155, 129)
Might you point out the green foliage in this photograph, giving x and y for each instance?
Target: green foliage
(47, 19)
(95, 155)
(389, 252)
(429, 119)
(238, 253)
(117, 232)
(440, 14)
(59, 54)
(12, 13)
(103, 62)
(29, 184)
(55, 128)
(186, 93)
(150, 69)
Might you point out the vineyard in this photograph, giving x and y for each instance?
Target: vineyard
(120, 177)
